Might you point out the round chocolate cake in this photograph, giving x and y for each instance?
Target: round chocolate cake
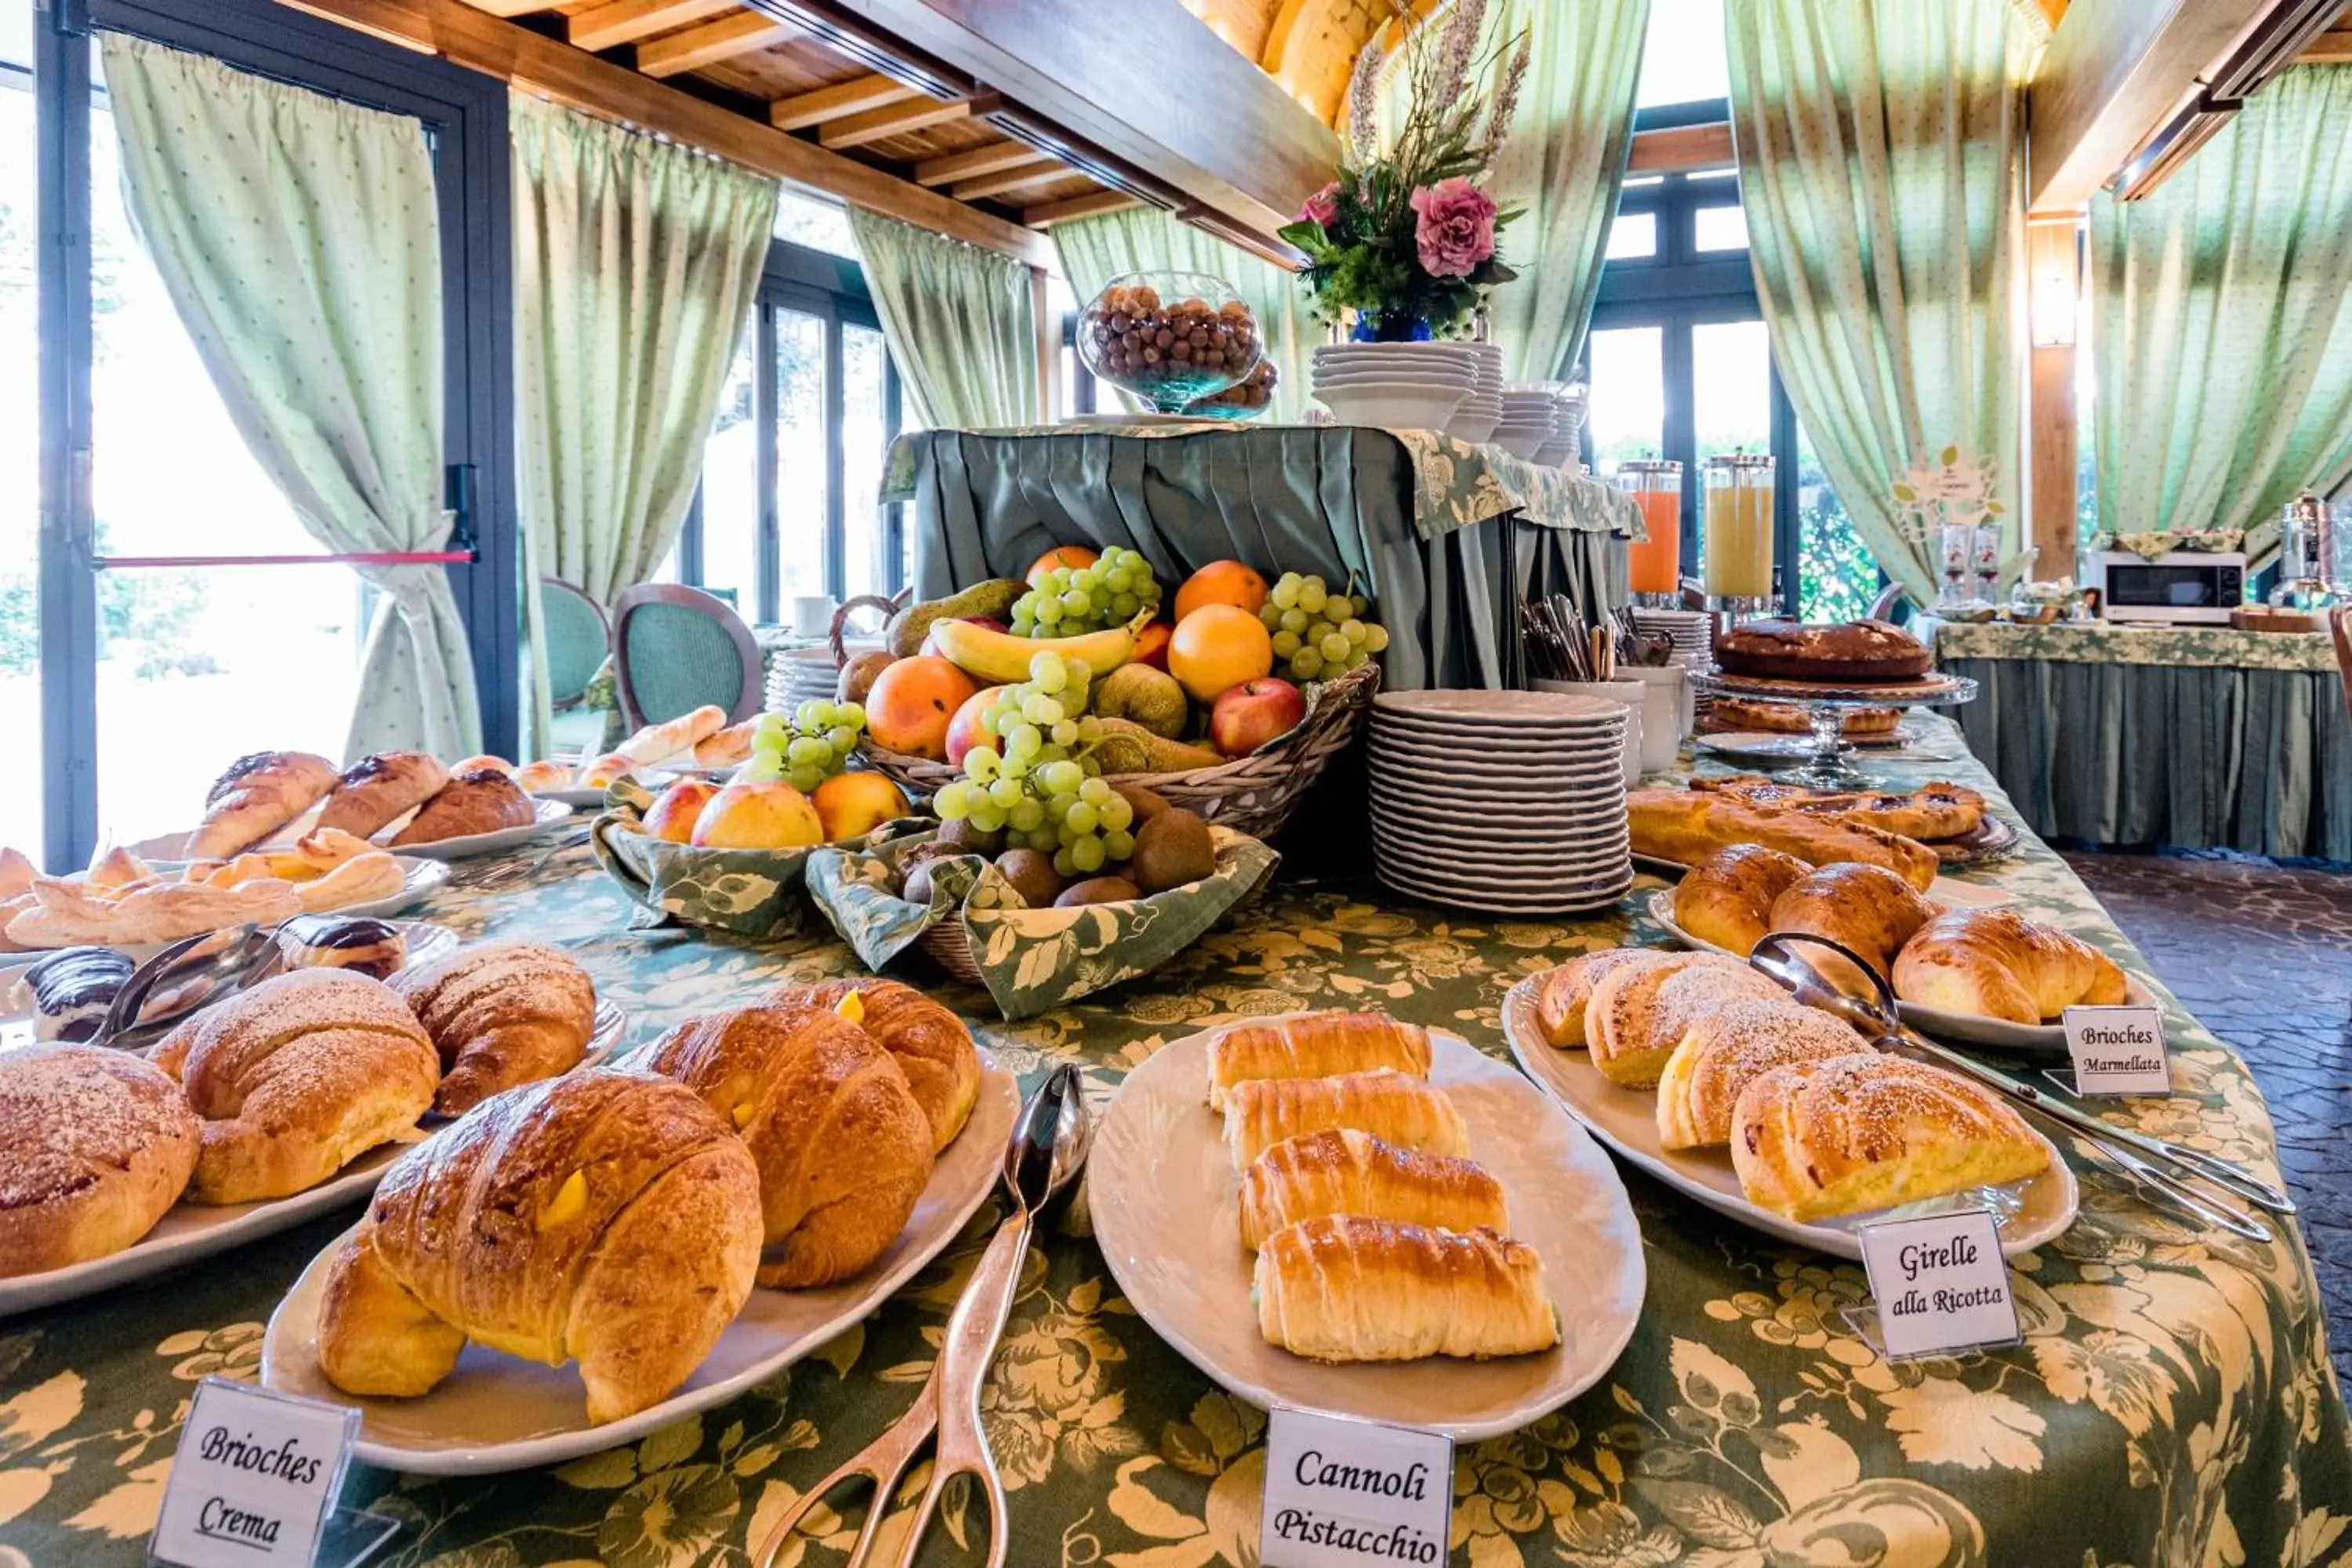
(1854, 653)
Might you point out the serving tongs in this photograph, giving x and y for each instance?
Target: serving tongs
(1047, 1149)
(193, 972)
(1780, 956)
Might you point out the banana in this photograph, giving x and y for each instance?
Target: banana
(1000, 658)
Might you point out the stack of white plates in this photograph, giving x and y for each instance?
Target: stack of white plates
(1508, 802)
(1476, 420)
(1691, 631)
(1567, 422)
(1537, 417)
(1397, 387)
(798, 674)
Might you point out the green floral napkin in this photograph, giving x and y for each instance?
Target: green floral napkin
(1031, 960)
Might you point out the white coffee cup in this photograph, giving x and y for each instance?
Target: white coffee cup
(1629, 694)
(811, 614)
(1666, 713)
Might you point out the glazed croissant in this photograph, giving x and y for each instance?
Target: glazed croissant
(841, 1147)
(500, 1013)
(1347, 1288)
(1638, 1014)
(1867, 909)
(1563, 995)
(1856, 1133)
(1729, 1047)
(1352, 1173)
(1998, 964)
(258, 794)
(929, 1042)
(1727, 899)
(1315, 1045)
(1389, 1106)
(607, 1218)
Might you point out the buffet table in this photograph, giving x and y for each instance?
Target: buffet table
(1447, 538)
(2172, 1403)
(2202, 737)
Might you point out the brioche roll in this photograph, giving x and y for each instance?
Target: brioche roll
(1997, 964)
(99, 1145)
(1727, 899)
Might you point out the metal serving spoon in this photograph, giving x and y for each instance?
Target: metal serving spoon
(1781, 956)
(184, 976)
(1047, 1149)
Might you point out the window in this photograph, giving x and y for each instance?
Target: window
(20, 496)
(814, 225)
(1683, 56)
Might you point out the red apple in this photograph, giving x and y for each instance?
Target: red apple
(1247, 716)
(963, 731)
(673, 813)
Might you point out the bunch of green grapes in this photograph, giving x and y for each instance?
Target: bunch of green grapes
(1026, 784)
(807, 747)
(1074, 600)
(1318, 633)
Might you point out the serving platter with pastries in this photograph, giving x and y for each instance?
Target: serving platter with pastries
(1848, 681)
(1343, 1211)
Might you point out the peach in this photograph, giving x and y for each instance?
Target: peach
(856, 802)
(763, 815)
(673, 813)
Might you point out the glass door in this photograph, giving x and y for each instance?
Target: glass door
(20, 493)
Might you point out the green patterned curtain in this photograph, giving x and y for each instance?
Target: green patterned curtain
(1143, 239)
(1881, 150)
(637, 263)
(961, 322)
(2220, 332)
(298, 240)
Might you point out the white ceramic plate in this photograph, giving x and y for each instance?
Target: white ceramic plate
(1489, 898)
(1536, 707)
(467, 845)
(1480, 754)
(1165, 1201)
(1414, 821)
(2029, 1212)
(496, 1413)
(2032, 1039)
(190, 1232)
(1547, 783)
(1507, 864)
(1589, 798)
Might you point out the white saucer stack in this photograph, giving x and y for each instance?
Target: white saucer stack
(1567, 422)
(1691, 631)
(798, 674)
(1397, 387)
(1476, 420)
(1505, 802)
(1540, 421)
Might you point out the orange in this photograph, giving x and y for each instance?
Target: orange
(1221, 583)
(1216, 646)
(912, 702)
(1070, 555)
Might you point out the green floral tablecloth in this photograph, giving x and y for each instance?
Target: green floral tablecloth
(2109, 642)
(2172, 1404)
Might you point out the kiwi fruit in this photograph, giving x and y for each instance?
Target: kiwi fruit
(968, 839)
(1148, 804)
(1031, 875)
(858, 676)
(1098, 890)
(1171, 848)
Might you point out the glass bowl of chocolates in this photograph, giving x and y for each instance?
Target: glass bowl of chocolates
(1248, 398)
(1168, 338)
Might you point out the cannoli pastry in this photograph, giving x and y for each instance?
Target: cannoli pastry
(1347, 1171)
(1391, 1106)
(1315, 1045)
(1347, 1289)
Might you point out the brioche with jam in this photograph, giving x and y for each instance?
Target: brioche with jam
(99, 1145)
(1997, 964)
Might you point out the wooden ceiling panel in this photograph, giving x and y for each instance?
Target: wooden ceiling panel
(706, 43)
(1241, 23)
(617, 22)
(878, 129)
(775, 73)
(932, 141)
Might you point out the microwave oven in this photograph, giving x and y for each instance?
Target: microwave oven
(2181, 587)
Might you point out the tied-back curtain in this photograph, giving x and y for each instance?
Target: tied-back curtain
(2220, 332)
(1881, 149)
(960, 323)
(636, 263)
(1563, 165)
(1144, 239)
(299, 241)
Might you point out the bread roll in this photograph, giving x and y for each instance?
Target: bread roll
(537, 778)
(1687, 826)
(1391, 1106)
(1563, 995)
(930, 1043)
(375, 789)
(295, 1077)
(1345, 1288)
(258, 794)
(483, 801)
(660, 743)
(1637, 1015)
(607, 1218)
(841, 1147)
(727, 748)
(1730, 1046)
(499, 1014)
(1858, 1134)
(605, 770)
(1347, 1171)
(1315, 1045)
(1867, 909)
(99, 1144)
(1996, 964)
(1727, 899)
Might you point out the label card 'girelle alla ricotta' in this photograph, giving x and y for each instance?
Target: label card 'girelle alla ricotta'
(1341, 1492)
(2117, 1050)
(1941, 1283)
(253, 1481)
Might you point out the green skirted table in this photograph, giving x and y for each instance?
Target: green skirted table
(1448, 538)
(2202, 737)
(2172, 1402)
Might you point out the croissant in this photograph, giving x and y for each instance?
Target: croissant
(1637, 1015)
(930, 1043)
(1563, 995)
(1347, 1171)
(607, 1218)
(1997, 964)
(1315, 1045)
(375, 789)
(1687, 826)
(841, 1147)
(1405, 1111)
(500, 1013)
(1347, 1289)
(484, 801)
(295, 1077)
(257, 796)
(1725, 901)
(534, 777)
(1862, 1132)
(1867, 909)
(1727, 1047)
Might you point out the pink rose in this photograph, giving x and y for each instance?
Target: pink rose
(1323, 205)
(1456, 231)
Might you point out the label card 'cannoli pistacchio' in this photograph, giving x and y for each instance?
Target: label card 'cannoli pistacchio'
(1341, 1491)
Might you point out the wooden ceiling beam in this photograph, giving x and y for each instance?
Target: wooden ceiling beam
(619, 22)
(1094, 203)
(1008, 181)
(897, 120)
(842, 98)
(512, 8)
(1681, 149)
(993, 159)
(710, 43)
(2332, 48)
(578, 79)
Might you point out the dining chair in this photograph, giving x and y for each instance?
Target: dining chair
(579, 640)
(676, 649)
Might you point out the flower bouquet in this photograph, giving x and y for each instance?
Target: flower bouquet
(1404, 236)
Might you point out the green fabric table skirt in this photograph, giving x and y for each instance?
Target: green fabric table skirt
(2172, 1405)
(1333, 502)
(2200, 756)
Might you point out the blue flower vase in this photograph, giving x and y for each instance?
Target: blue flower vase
(1392, 327)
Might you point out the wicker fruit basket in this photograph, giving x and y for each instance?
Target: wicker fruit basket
(1254, 795)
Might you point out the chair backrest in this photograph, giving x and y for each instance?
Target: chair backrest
(578, 638)
(2339, 622)
(676, 649)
